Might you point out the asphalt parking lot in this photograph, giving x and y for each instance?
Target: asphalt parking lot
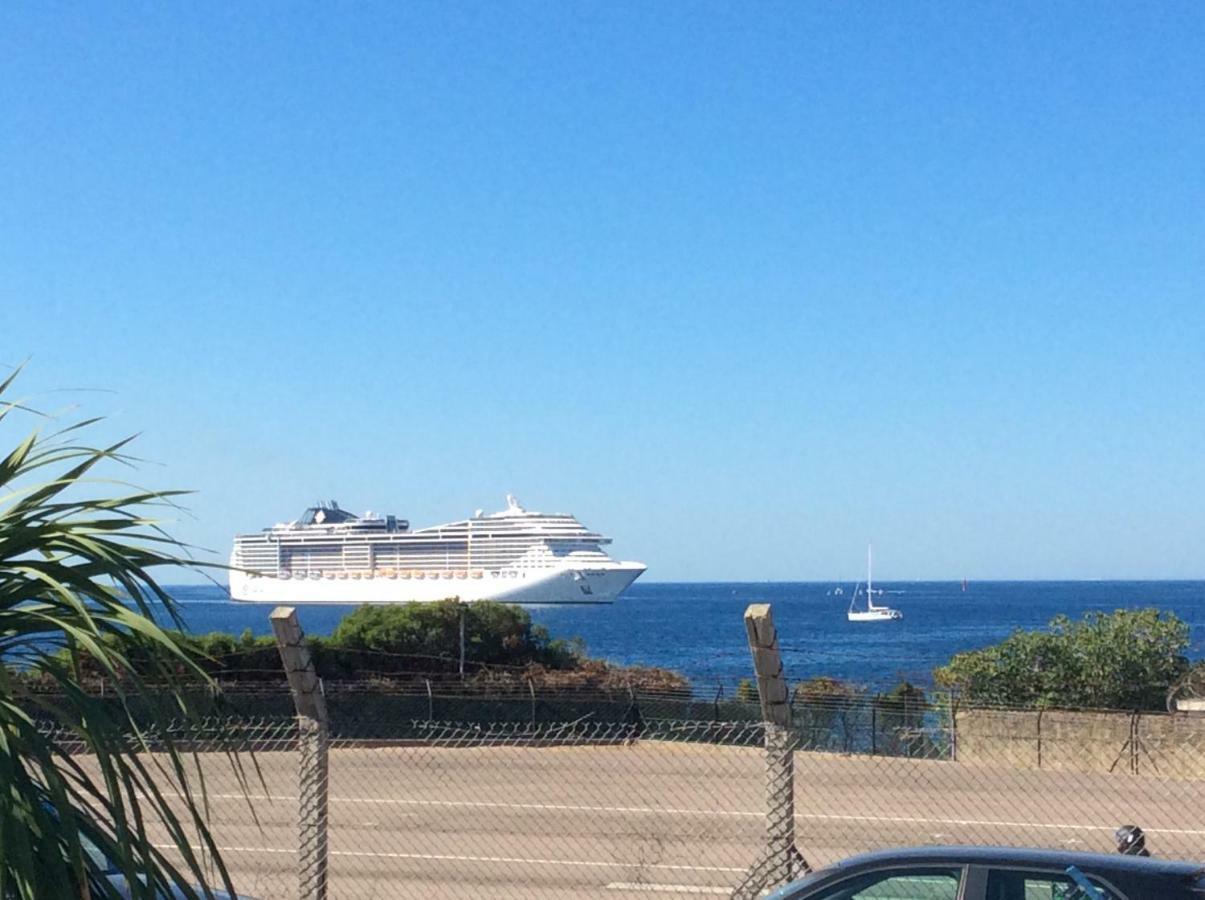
(651, 818)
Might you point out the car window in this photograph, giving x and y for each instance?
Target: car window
(896, 884)
(102, 862)
(1007, 885)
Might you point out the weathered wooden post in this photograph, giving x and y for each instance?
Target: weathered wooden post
(312, 745)
(781, 861)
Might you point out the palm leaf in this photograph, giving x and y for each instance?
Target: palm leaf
(78, 557)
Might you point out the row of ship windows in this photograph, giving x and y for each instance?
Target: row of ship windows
(385, 557)
(418, 556)
(342, 574)
(419, 540)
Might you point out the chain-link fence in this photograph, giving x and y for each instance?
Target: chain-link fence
(1018, 777)
(426, 808)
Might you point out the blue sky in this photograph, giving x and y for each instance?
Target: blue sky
(746, 286)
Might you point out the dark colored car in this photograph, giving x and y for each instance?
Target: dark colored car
(118, 881)
(123, 888)
(999, 873)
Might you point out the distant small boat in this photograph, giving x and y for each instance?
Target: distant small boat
(873, 612)
(964, 585)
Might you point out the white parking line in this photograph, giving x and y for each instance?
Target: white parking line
(553, 807)
(485, 804)
(667, 867)
(725, 813)
(291, 852)
(448, 857)
(636, 886)
(992, 823)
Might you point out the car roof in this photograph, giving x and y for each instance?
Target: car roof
(1024, 856)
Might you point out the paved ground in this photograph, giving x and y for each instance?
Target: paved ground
(653, 818)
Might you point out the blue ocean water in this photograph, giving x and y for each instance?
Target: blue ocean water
(697, 628)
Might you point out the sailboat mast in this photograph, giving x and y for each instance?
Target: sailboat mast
(869, 575)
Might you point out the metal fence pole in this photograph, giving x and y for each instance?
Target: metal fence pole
(874, 724)
(785, 861)
(1040, 711)
(312, 752)
(312, 808)
(781, 861)
(460, 607)
(1134, 743)
(953, 727)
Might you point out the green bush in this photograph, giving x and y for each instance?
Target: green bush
(495, 634)
(392, 641)
(826, 712)
(1127, 659)
(746, 691)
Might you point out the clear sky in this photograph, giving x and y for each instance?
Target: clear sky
(744, 285)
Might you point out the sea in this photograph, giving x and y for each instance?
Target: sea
(697, 628)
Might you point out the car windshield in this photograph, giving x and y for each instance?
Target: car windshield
(1021, 885)
(795, 887)
(907, 883)
(97, 856)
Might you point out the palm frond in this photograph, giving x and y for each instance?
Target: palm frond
(78, 561)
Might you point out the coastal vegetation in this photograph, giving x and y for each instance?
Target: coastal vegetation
(1128, 659)
(78, 553)
(384, 647)
(840, 715)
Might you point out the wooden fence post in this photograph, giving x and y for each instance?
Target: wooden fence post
(306, 689)
(781, 861)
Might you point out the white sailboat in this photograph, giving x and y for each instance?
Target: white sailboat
(873, 612)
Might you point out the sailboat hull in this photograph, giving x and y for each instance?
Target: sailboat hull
(875, 615)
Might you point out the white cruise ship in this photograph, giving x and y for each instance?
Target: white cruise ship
(515, 556)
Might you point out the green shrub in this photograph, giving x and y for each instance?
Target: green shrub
(746, 691)
(1127, 659)
(495, 634)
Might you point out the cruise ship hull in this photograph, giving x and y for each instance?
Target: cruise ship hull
(600, 583)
